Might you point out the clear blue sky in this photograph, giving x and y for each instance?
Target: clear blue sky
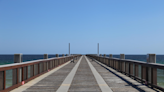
(47, 26)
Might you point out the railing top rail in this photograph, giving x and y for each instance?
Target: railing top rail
(16, 65)
(161, 66)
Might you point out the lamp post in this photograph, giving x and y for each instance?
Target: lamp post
(98, 49)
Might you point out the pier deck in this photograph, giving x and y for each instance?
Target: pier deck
(84, 75)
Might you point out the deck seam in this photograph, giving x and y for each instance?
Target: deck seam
(68, 80)
(101, 82)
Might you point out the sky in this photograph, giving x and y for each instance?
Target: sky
(47, 26)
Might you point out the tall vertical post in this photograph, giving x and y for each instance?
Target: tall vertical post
(152, 72)
(97, 49)
(122, 56)
(45, 56)
(57, 55)
(110, 55)
(151, 58)
(69, 49)
(17, 59)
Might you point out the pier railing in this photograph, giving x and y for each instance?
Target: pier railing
(131, 69)
(26, 71)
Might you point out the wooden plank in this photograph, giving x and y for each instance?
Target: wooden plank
(143, 72)
(31, 71)
(22, 73)
(154, 76)
(131, 68)
(26, 72)
(14, 76)
(136, 70)
(18, 77)
(1, 80)
(4, 80)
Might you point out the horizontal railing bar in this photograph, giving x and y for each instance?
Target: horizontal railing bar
(22, 64)
(160, 66)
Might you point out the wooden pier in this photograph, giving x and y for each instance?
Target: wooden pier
(88, 73)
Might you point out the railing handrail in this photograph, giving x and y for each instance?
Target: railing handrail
(26, 71)
(15, 65)
(160, 66)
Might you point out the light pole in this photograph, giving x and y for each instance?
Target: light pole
(69, 49)
(98, 49)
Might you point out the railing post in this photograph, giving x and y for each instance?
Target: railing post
(152, 72)
(46, 57)
(56, 61)
(57, 55)
(110, 56)
(67, 57)
(131, 68)
(144, 73)
(104, 60)
(31, 70)
(63, 58)
(17, 76)
(110, 61)
(2, 80)
(122, 56)
(136, 70)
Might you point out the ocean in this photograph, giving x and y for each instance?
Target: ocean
(8, 59)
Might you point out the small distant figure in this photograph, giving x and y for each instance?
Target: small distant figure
(92, 59)
(72, 60)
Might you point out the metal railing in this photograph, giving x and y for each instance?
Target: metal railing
(26, 71)
(131, 69)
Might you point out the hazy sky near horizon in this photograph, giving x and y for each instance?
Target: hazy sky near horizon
(47, 26)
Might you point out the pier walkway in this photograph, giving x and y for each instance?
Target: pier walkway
(84, 75)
